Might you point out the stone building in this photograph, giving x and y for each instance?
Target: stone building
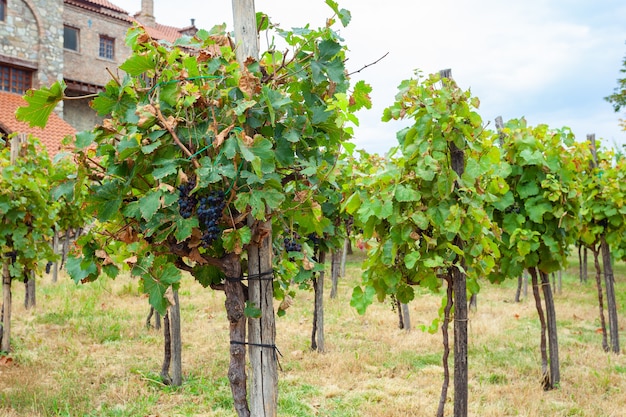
(78, 41)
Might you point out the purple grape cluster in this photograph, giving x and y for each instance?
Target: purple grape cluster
(210, 210)
(291, 243)
(313, 238)
(187, 202)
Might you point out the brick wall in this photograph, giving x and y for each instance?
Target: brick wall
(86, 65)
(33, 33)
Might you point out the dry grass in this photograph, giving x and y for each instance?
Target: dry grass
(84, 351)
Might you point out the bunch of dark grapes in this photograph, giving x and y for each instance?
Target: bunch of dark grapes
(187, 202)
(313, 238)
(210, 210)
(291, 243)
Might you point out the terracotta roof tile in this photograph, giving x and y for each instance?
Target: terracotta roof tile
(51, 136)
(108, 5)
(163, 32)
(99, 6)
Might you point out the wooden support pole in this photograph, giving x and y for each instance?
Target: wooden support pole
(262, 330)
(459, 285)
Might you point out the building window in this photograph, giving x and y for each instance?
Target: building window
(70, 38)
(3, 9)
(107, 47)
(15, 80)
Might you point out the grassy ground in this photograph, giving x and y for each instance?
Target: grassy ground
(84, 351)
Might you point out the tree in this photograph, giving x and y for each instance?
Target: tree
(26, 218)
(199, 153)
(425, 208)
(538, 214)
(602, 228)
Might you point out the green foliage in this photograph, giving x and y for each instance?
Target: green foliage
(539, 212)
(27, 212)
(603, 183)
(267, 134)
(416, 206)
(41, 103)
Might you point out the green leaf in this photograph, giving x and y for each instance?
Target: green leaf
(411, 259)
(345, 16)
(138, 64)
(81, 269)
(406, 194)
(41, 103)
(149, 204)
(527, 189)
(184, 227)
(536, 210)
(243, 105)
(360, 96)
(157, 280)
(328, 49)
(165, 168)
(108, 209)
(362, 299)
(85, 139)
(262, 148)
(207, 275)
(405, 293)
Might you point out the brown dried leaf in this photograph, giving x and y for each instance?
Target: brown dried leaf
(6, 361)
(169, 296)
(143, 38)
(147, 114)
(247, 140)
(221, 137)
(107, 124)
(260, 233)
(195, 256)
(171, 121)
(167, 188)
(128, 235)
(415, 236)
(132, 260)
(301, 196)
(249, 83)
(195, 239)
(286, 303)
(307, 264)
(205, 55)
(221, 40)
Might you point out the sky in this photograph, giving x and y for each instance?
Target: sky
(550, 61)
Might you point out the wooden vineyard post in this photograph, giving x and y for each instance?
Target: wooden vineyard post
(317, 335)
(459, 285)
(30, 299)
(175, 331)
(5, 332)
(262, 330)
(553, 341)
(55, 248)
(335, 271)
(607, 265)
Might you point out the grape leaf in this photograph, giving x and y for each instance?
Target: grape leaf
(41, 103)
(138, 64)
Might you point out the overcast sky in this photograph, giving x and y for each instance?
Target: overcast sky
(551, 61)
